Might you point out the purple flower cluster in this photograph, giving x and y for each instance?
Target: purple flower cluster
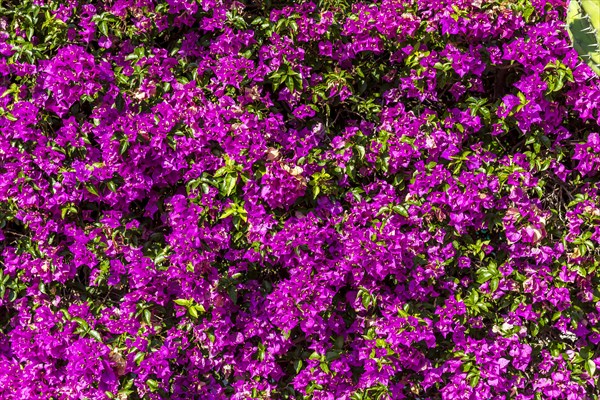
(336, 199)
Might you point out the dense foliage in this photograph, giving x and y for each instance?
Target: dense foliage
(212, 199)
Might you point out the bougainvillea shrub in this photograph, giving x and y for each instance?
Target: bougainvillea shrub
(216, 199)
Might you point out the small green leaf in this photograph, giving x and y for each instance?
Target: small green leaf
(366, 299)
(83, 323)
(96, 335)
(400, 209)
(232, 291)
(124, 146)
(183, 302)
(221, 172)
(590, 367)
(289, 83)
(91, 188)
(147, 316)
(494, 284)
(227, 213)
(152, 384)
(474, 380)
(111, 186)
(10, 117)
(230, 183)
(200, 308)
(297, 366)
(139, 357)
(103, 28)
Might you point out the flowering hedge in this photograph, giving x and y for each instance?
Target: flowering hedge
(292, 200)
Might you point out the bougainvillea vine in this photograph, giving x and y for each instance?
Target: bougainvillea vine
(215, 199)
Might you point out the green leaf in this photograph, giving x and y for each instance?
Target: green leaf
(590, 367)
(261, 352)
(10, 117)
(103, 28)
(8, 91)
(96, 335)
(183, 302)
(146, 315)
(227, 213)
(297, 366)
(232, 291)
(139, 357)
(221, 172)
(230, 183)
(124, 146)
(289, 83)
(339, 342)
(484, 275)
(366, 299)
(152, 384)
(91, 188)
(83, 323)
(361, 151)
(494, 284)
(474, 380)
(400, 209)
(200, 308)
(111, 186)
